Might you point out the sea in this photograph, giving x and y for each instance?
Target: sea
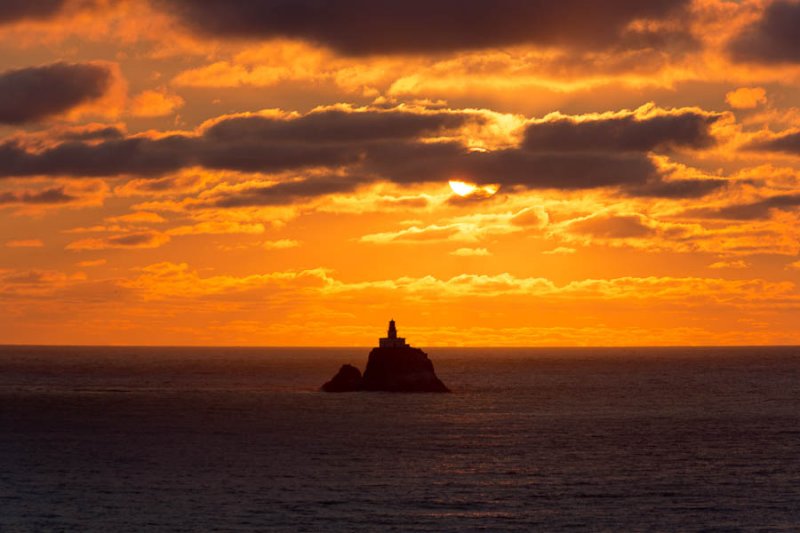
(117, 439)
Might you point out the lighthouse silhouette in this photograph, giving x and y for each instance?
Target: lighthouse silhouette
(391, 340)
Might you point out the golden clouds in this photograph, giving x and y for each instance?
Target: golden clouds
(465, 228)
(281, 244)
(561, 250)
(746, 97)
(155, 103)
(168, 280)
(537, 172)
(526, 306)
(737, 264)
(471, 252)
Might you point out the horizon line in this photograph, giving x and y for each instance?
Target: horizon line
(310, 347)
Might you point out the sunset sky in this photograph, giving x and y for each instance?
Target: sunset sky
(492, 172)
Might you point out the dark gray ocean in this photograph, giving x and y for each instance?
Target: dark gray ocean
(239, 439)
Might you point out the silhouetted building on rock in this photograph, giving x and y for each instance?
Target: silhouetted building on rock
(391, 340)
(393, 366)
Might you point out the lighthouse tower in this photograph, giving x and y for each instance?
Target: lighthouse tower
(391, 340)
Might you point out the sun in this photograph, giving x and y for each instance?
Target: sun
(465, 189)
(462, 188)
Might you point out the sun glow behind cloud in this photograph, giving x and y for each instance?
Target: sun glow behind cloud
(462, 188)
(465, 189)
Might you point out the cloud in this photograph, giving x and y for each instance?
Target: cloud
(759, 209)
(284, 193)
(746, 97)
(35, 93)
(681, 232)
(676, 189)
(89, 132)
(281, 244)
(218, 227)
(16, 10)
(613, 226)
(431, 234)
(185, 182)
(560, 250)
(91, 263)
(41, 195)
(642, 130)
(21, 283)
(165, 280)
(54, 195)
(401, 145)
(419, 162)
(24, 243)
(155, 103)
(773, 38)
(265, 143)
(737, 264)
(339, 125)
(363, 27)
(563, 152)
(471, 252)
(619, 306)
(786, 142)
(467, 228)
(138, 217)
(143, 239)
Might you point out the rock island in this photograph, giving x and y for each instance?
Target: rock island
(393, 366)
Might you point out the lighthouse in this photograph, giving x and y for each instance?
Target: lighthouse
(391, 340)
(393, 366)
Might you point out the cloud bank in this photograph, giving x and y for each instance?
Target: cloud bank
(35, 93)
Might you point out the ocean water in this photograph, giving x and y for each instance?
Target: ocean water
(233, 439)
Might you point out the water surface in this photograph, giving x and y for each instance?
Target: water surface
(239, 439)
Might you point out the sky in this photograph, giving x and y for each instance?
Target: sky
(486, 172)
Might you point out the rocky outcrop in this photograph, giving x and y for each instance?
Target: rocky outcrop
(348, 379)
(404, 369)
(393, 367)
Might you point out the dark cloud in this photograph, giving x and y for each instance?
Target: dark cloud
(54, 195)
(323, 138)
(386, 146)
(254, 143)
(785, 142)
(141, 239)
(94, 134)
(338, 126)
(760, 209)
(136, 155)
(34, 93)
(14, 10)
(286, 192)
(774, 38)
(361, 27)
(691, 188)
(622, 134)
(133, 240)
(563, 154)
(418, 162)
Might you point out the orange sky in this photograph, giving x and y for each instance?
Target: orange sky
(277, 173)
